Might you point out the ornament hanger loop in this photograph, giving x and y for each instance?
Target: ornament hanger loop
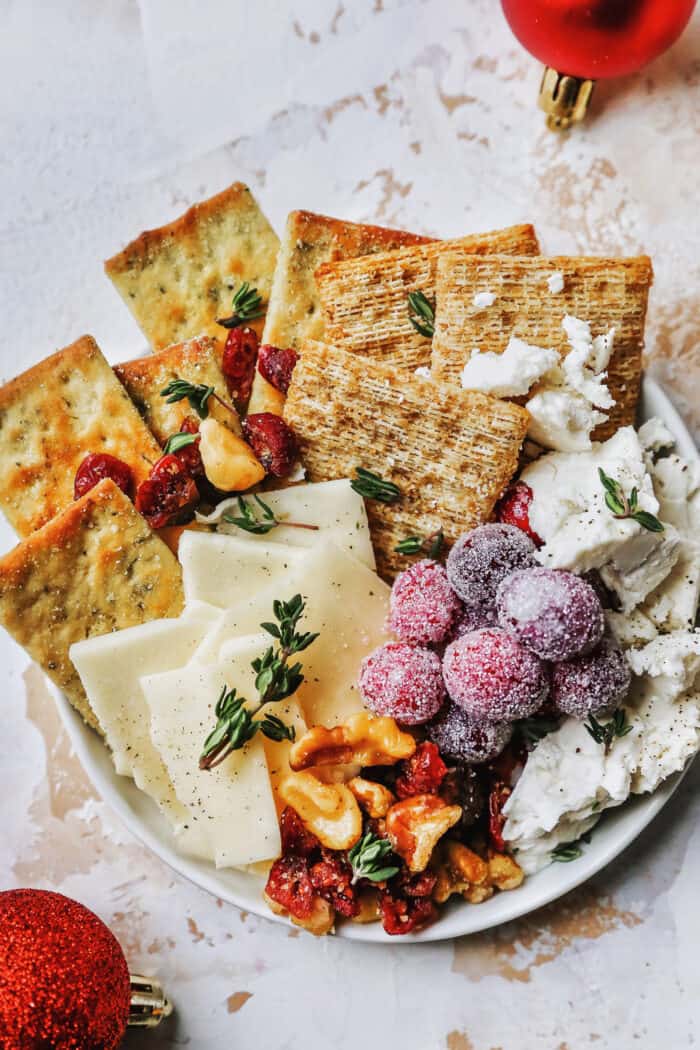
(564, 98)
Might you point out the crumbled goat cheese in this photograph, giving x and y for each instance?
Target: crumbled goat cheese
(423, 371)
(555, 282)
(484, 299)
(562, 420)
(511, 373)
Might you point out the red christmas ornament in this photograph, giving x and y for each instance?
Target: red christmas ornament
(64, 981)
(584, 40)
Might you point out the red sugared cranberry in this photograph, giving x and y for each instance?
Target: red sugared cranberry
(423, 605)
(99, 465)
(422, 773)
(553, 612)
(492, 677)
(289, 885)
(514, 509)
(277, 366)
(272, 441)
(462, 739)
(402, 682)
(295, 837)
(238, 364)
(473, 619)
(589, 685)
(482, 558)
(169, 495)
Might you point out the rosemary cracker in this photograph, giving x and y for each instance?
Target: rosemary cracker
(294, 313)
(365, 301)
(196, 361)
(51, 417)
(451, 452)
(95, 568)
(177, 280)
(607, 293)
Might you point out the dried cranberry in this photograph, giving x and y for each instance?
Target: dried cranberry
(406, 905)
(99, 465)
(169, 495)
(420, 885)
(277, 366)
(422, 773)
(461, 787)
(514, 509)
(498, 796)
(238, 364)
(189, 455)
(295, 838)
(331, 877)
(289, 884)
(272, 441)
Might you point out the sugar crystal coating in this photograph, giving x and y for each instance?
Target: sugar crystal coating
(592, 684)
(553, 612)
(492, 677)
(423, 605)
(473, 619)
(403, 682)
(460, 738)
(482, 558)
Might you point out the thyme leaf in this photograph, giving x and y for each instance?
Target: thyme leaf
(246, 306)
(421, 314)
(372, 486)
(431, 545)
(261, 519)
(606, 733)
(369, 857)
(177, 441)
(622, 506)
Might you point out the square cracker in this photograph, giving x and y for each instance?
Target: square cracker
(608, 293)
(51, 417)
(96, 567)
(450, 451)
(293, 314)
(365, 301)
(197, 361)
(178, 279)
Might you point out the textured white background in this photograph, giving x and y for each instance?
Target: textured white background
(114, 116)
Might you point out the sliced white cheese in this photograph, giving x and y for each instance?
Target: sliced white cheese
(222, 569)
(234, 801)
(337, 511)
(347, 604)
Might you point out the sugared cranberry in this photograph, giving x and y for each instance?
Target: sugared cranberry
(331, 877)
(423, 605)
(473, 619)
(422, 773)
(277, 366)
(238, 364)
(554, 613)
(272, 441)
(99, 465)
(168, 496)
(295, 837)
(402, 682)
(482, 558)
(514, 509)
(589, 685)
(492, 677)
(461, 738)
(289, 885)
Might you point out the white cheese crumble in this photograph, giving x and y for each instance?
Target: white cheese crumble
(555, 282)
(482, 300)
(423, 371)
(511, 373)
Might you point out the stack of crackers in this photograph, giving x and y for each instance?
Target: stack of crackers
(369, 391)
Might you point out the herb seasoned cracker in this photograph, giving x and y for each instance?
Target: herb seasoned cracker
(450, 452)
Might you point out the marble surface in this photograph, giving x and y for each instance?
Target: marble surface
(423, 116)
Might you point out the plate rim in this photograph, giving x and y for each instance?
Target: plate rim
(458, 919)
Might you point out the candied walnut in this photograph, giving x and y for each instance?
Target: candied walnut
(498, 796)
(289, 886)
(363, 739)
(319, 921)
(459, 869)
(374, 798)
(504, 871)
(422, 773)
(328, 811)
(295, 838)
(331, 877)
(415, 826)
(368, 909)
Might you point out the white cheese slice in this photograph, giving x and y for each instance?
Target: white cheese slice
(337, 511)
(234, 801)
(221, 569)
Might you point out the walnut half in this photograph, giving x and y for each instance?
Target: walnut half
(363, 740)
(416, 825)
(460, 870)
(328, 811)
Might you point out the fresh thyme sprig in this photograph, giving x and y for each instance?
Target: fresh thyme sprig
(565, 852)
(421, 314)
(431, 545)
(246, 306)
(532, 730)
(606, 733)
(196, 393)
(369, 857)
(622, 506)
(177, 441)
(275, 680)
(260, 524)
(372, 486)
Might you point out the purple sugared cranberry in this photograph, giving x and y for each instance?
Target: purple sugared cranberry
(482, 558)
(423, 605)
(592, 684)
(473, 619)
(462, 739)
(492, 677)
(403, 682)
(553, 612)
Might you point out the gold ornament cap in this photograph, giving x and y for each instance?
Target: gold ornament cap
(564, 98)
(149, 1005)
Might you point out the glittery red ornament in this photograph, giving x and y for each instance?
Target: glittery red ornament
(64, 981)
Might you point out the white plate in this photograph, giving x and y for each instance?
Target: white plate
(617, 829)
